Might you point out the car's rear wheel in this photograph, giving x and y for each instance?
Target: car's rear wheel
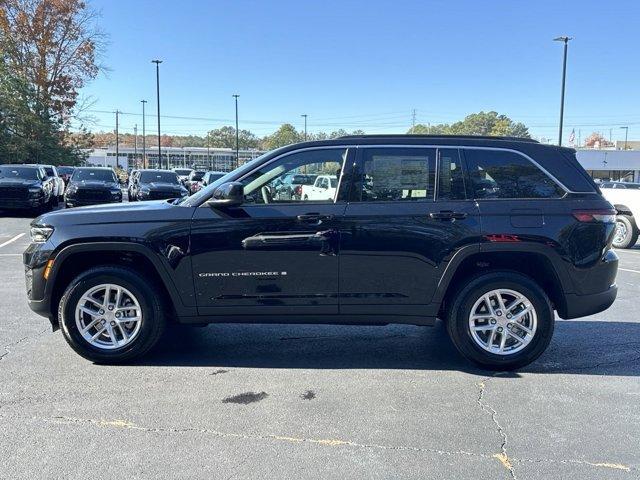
(501, 320)
(626, 234)
(111, 315)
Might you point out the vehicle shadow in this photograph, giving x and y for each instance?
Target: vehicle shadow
(581, 347)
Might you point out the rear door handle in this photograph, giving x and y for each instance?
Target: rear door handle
(447, 215)
(313, 218)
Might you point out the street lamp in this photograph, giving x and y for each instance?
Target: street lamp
(626, 135)
(117, 142)
(237, 137)
(144, 136)
(158, 62)
(305, 125)
(565, 40)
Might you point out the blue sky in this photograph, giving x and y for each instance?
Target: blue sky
(368, 64)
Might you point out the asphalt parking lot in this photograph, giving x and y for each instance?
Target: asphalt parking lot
(256, 401)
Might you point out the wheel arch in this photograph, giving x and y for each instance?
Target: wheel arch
(539, 263)
(72, 260)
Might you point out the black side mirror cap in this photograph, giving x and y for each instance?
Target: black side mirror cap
(230, 194)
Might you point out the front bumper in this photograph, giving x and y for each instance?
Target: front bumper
(17, 204)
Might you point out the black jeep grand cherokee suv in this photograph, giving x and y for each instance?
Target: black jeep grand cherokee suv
(489, 234)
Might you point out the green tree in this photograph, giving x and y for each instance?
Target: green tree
(481, 123)
(285, 135)
(225, 137)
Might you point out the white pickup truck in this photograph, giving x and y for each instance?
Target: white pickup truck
(625, 197)
(324, 188)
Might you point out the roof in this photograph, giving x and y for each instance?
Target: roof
(448, 137)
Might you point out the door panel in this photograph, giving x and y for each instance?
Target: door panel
(394, 252)
(269, 255)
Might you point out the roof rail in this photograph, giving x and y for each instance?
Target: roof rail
(469, 137)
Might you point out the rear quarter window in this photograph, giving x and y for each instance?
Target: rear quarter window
(502, 174)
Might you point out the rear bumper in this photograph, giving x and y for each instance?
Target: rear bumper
(583, 305)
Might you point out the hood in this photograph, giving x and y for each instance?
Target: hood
(162, 186)
(95, 184)
(18, 182)
(135, 212)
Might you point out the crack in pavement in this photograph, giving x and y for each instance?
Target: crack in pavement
(502, 457)
(102, 423)
(18, 342)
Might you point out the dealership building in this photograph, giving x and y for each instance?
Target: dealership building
(218, 159)
(617, 165)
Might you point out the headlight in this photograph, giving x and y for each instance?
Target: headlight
(115, 191)
(144, 191)
(35, 191)
(40, 234)
(72, 189)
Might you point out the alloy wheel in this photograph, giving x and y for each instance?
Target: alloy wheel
(503, 322)
(108, 316)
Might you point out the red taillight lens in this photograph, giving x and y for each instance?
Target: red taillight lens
(601, 216)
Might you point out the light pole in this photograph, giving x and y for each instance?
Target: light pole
(304, 115)
(565, 40)
(158, 62)
(208, 149)
(117, 142)
(144, 137)
(135, 145)
(626, 135)
(237, 137)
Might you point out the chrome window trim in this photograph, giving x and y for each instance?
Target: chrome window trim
(473, 147)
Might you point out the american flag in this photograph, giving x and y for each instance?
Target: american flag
(572, 137)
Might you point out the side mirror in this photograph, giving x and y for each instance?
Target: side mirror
(230, 194)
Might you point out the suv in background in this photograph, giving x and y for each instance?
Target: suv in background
(92, 186)
(625, 197)
(211, 177)
(158, 184)
(493, 235)
(194, 182)
(26, 187)
(182, 173)
(58, 182)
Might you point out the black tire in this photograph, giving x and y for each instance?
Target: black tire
(153, 323)
(631, 236)
(458, 320)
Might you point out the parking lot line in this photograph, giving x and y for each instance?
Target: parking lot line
(11, 240)
(628, 270)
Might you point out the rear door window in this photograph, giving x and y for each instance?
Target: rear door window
(396, 174)
(501, 174)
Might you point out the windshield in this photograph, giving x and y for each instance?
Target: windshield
(182, 171)
(160, 177)
(96, 174)
(65, 170)
(215, 176)
(198, 197)
(29, 173)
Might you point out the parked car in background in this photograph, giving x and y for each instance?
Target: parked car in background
(26, 187)
(58, 182)
(211, 177)
(132, 185)
(194, 182)
(323, 188)
(65, 173)
(290, 187)
(91, 186)
(495, 236)
(158, 185)
(625, 197)
(182, 173)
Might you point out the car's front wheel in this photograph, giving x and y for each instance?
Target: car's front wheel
(501, 320)
(111, 315)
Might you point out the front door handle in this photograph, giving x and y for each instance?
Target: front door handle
(313, 218)
(447, 215)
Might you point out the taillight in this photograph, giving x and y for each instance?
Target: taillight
(601, 216)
